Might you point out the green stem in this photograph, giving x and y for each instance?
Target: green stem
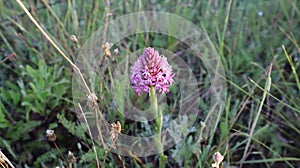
(159, 119)
(153, 100)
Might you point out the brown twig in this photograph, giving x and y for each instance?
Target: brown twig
(61, 155)
(7, 57)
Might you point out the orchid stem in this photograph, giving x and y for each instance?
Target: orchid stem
(158, 121)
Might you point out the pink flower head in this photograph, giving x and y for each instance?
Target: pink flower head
(151, 69)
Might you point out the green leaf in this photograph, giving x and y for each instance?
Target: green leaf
(3, 122)
(224, 129)
(8, 147)
(15, 96)
(5, 96)
(33, 87)
(52, 125)
(31, 72)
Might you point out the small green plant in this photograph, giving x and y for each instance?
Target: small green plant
(35, 93)
(44, 89)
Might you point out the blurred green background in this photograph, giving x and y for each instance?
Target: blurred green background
(36, 82)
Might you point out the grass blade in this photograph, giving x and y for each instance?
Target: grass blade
(266, 90)
(292, 66)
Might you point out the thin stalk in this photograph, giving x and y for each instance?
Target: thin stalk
(61, 155)
(90, 133)
(225, 27)
(266, 90)
(7, 57)
(158, 121)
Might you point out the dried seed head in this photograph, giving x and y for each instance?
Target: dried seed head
(71, 157)
(203, 124)
(92, 99)
(106, 47)
(218, 158)
(116, 51)
(116, 129)
(51, 135)
(4, 161)
(107, 53)
(74, 39)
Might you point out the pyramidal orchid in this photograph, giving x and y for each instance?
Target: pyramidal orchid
(151, 70)
(150, 73)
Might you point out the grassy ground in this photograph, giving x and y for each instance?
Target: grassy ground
(257, 128)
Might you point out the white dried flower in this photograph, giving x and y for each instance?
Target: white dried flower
(203, 124)
(116, 51)
(218, 158)
(51, 135)
(74, 39)
(71, 157)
